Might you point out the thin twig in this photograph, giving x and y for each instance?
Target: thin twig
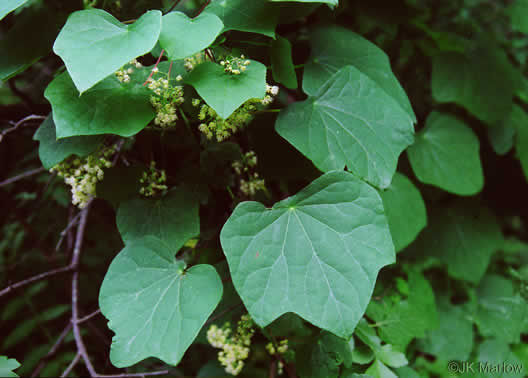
(89, 316)
(65, 231)
(71, 365)
(75, 288)
(216, 317)
(21, 176)
(123, 375)
(38, 277)
(202, 8)
(31, 117)
(52, 351)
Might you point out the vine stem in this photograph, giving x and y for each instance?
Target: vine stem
(32, 117)
(22, 176)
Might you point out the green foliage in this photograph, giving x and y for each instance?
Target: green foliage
(222, 187)
(279, 263)
(7, 366)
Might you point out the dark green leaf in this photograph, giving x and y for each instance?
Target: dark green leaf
(446, 154)
(172, 218)
(334, 47)
(53, 151)
(256, 16)
(405, 211)
(282, 63)
(483, 82)
(502, 135)
(353, 122)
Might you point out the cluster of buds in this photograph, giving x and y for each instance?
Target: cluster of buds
(245, 167)
(281, 349)
(235, 348)
(153, 181)
(83, 174)
(215, 126)
(192, 61)
(271, 92)
(235, 65)
(123, 75)
(166, 100)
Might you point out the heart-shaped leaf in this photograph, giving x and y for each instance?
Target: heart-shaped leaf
(316, 254)
(110, 107)
(155, 307)
(446, 154)
(94, 44)
(225, 92)
(172, 218)
(353, 122)
(182, 36)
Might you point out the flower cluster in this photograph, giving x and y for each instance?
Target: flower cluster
(235, 65)
(245, 167)
(153, 181)
(194, 60)
(215, 126)
(83, 174)
(235, 348)
(166, 100)
(123, 75)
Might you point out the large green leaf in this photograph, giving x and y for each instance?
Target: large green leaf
(316, 254)
(8, 6)
(7, 366)
(379, 370)
(405, 210)
(351, 121)
(53, 151)
(453, 339)
(402, 321)
(482, 81)
(463, 236)
(94, 44)
(111, 107)
(446, 154)
(501, 312)
(334, 47)
(225, 92)
(30, 38)
(172, 218)
(282, 63)
(256, 16)
(182, 36)
(155, 306)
